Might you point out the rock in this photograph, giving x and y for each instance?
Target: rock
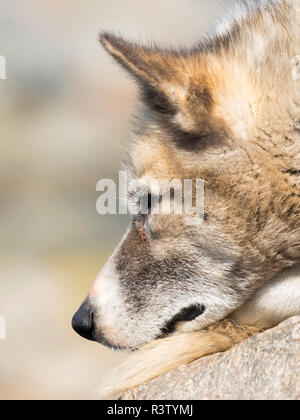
(265, 367)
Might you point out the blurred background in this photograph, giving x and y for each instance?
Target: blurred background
(64, 119)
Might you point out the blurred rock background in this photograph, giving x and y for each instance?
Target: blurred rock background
(64, 119)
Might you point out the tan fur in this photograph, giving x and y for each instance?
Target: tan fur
(228, 114)
(278, 300)
(166, 354)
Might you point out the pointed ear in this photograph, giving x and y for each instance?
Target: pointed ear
(148, 65)
(171, 82)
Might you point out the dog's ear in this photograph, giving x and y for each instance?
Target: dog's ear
(173, 83)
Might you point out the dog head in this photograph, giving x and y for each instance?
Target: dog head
(181, 271)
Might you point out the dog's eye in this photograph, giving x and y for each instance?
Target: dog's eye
(149, 202)
(145, 204)
(153, 201)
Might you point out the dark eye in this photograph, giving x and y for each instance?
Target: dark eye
(149, 202)
(153, 201)
(145, 204)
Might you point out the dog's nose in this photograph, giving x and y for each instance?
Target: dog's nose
(82, 321)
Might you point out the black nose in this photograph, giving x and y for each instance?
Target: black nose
(82, 321)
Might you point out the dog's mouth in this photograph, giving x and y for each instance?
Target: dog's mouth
(101, 339)
(185, 315)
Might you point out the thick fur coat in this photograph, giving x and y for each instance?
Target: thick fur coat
(226, 111)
